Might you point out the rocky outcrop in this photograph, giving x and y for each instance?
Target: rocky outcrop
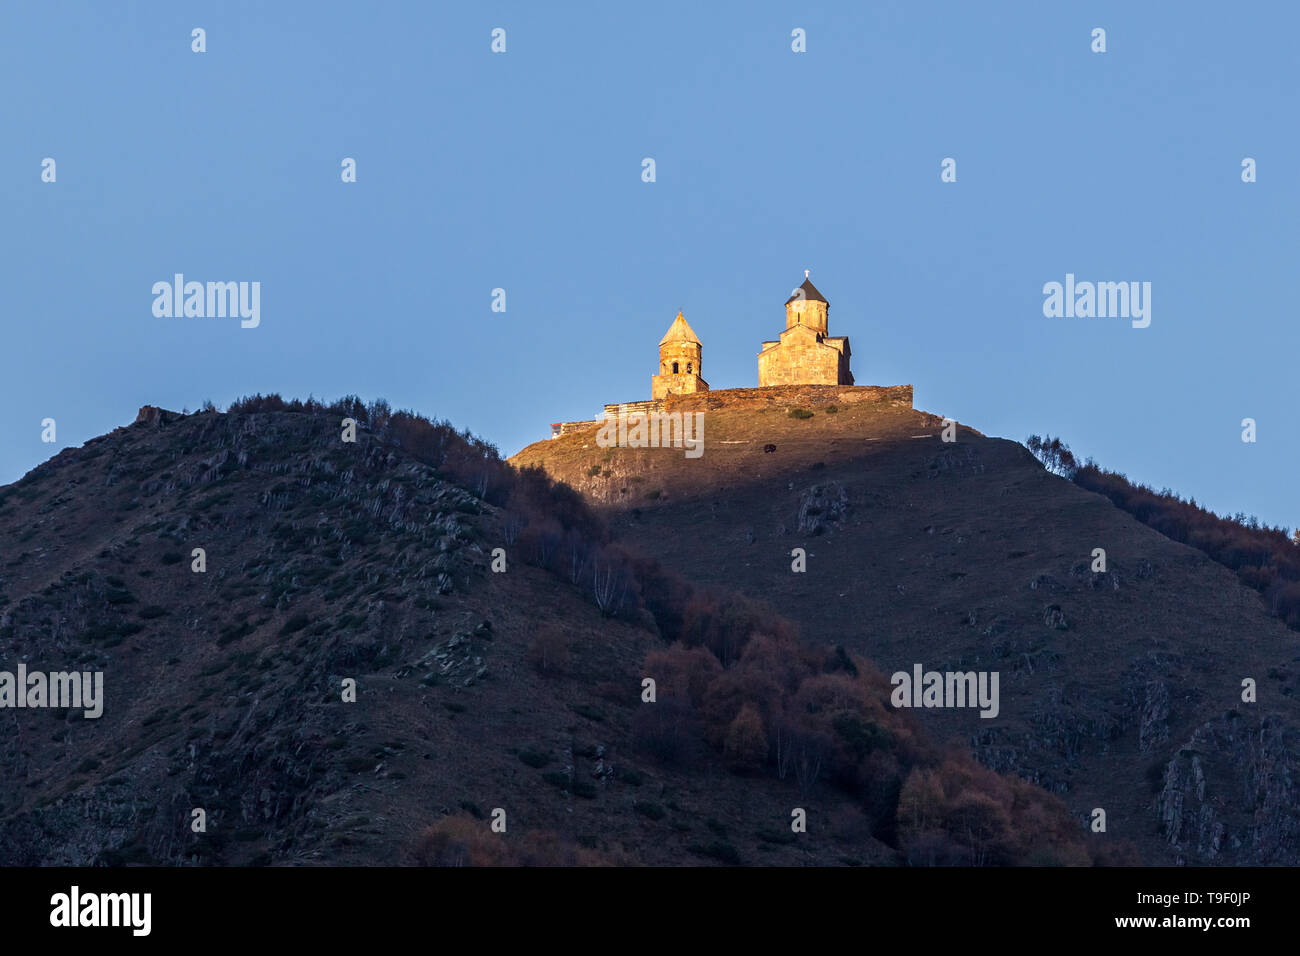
(822, 507)
(153, 415)
(1230, 794)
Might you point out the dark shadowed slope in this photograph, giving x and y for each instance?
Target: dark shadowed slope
(475, 691)
(1120, 690)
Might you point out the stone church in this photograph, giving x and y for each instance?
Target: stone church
(804, 354)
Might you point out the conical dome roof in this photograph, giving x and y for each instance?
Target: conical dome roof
(679, 331)
(810, 293)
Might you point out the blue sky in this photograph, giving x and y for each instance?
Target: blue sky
(522, 171)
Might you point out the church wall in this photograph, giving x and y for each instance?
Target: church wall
(802, 365)
(845, 375)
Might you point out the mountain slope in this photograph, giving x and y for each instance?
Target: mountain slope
(223, 688)
(325, 561)
(1120, 690)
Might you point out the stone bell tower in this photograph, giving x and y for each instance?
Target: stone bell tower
(681, 362)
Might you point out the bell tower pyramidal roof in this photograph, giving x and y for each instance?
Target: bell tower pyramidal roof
(679, 331)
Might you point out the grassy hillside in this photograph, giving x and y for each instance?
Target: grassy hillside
(1120, 690)
(476, 690)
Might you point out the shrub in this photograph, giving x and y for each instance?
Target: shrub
(549, 652)
(630, 776)
(234, 632)
(776, 835)
(459, 840)
(682, 673)
(800, 413)
(582, 788)
(665, 730)
(534, 758)
(119, 596)
(746, 745)
(295, 623)
(724, 624)
(718, 850)
(648, 809)
(588, 711)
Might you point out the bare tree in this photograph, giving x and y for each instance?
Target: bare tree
(511, 525)
(1054, 454)
(609, 583)
(547, 542)
(784, 749)
(578, 554)
(809, 753)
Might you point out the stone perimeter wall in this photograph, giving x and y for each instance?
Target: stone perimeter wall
(653, 405)
(772, 396)
(784, 396)
(568, 428)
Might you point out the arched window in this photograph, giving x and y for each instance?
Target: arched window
(674, 368)
(688, 368)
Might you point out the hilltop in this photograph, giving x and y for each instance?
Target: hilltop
(1120, 690)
